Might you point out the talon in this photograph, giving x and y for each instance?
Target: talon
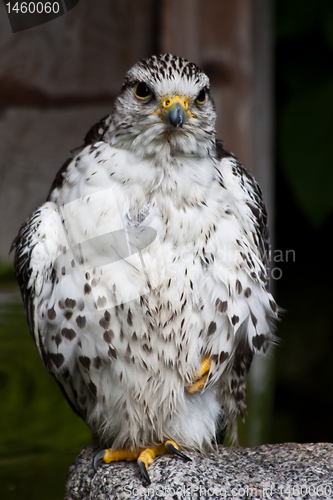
(173, 448)
(109, 455)
(144, 471)
(200, 377)
(144, 456)
(98, 456)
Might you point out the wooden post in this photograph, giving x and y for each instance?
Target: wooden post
(217, 35)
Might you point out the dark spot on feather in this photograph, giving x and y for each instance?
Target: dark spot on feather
(57, 359)
(239, 287)
(105, 321)
(101, 302)
(247, 292)
(254, 210)
(144, 365)
(221, 305)
(87, 289)
(108, 336)
(273, 305)
(258, 341)
(211, 328)
(129, 318)
(92, 388)
(97, 362)
(239, 396)
(85, 361)
(112, 352)
(254, 319)
(234, 319)
(223, 357)
(68, 333)
(81, 321)
(70, 303)
(51, 314)
(58, 339)
(68, 315)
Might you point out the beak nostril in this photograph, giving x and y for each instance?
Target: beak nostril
(175, 110)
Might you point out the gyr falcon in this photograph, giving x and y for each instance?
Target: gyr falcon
(145, 273)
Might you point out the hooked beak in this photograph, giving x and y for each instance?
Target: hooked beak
(174, 110)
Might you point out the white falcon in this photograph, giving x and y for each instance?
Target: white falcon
(145, 273)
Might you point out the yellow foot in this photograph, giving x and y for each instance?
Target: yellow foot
(144, 456)
(200, 376)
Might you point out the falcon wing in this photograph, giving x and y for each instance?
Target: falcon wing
(94, 135)
(24, 244)
(35, 253)
(254, 201)
(250, 211)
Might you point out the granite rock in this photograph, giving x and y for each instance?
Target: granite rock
(280, 471)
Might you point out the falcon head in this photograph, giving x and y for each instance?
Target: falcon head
(164, 106)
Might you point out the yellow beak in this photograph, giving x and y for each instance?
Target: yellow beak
(174, 110)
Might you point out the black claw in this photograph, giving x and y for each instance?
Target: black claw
(98, 455)
(144, 471)
(174, 450)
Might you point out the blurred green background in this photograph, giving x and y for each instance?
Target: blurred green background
(40, 435)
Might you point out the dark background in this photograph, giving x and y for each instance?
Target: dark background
(58, 79)
(304, 201)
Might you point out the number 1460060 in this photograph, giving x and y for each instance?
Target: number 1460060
(33, 7)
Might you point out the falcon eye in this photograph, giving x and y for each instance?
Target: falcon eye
(142, 91)
(201, 97)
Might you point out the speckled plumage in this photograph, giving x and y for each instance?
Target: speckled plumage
(151, 252)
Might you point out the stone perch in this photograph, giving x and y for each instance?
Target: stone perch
(282, 471)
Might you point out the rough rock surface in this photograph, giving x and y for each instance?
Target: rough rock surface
(281, 471)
